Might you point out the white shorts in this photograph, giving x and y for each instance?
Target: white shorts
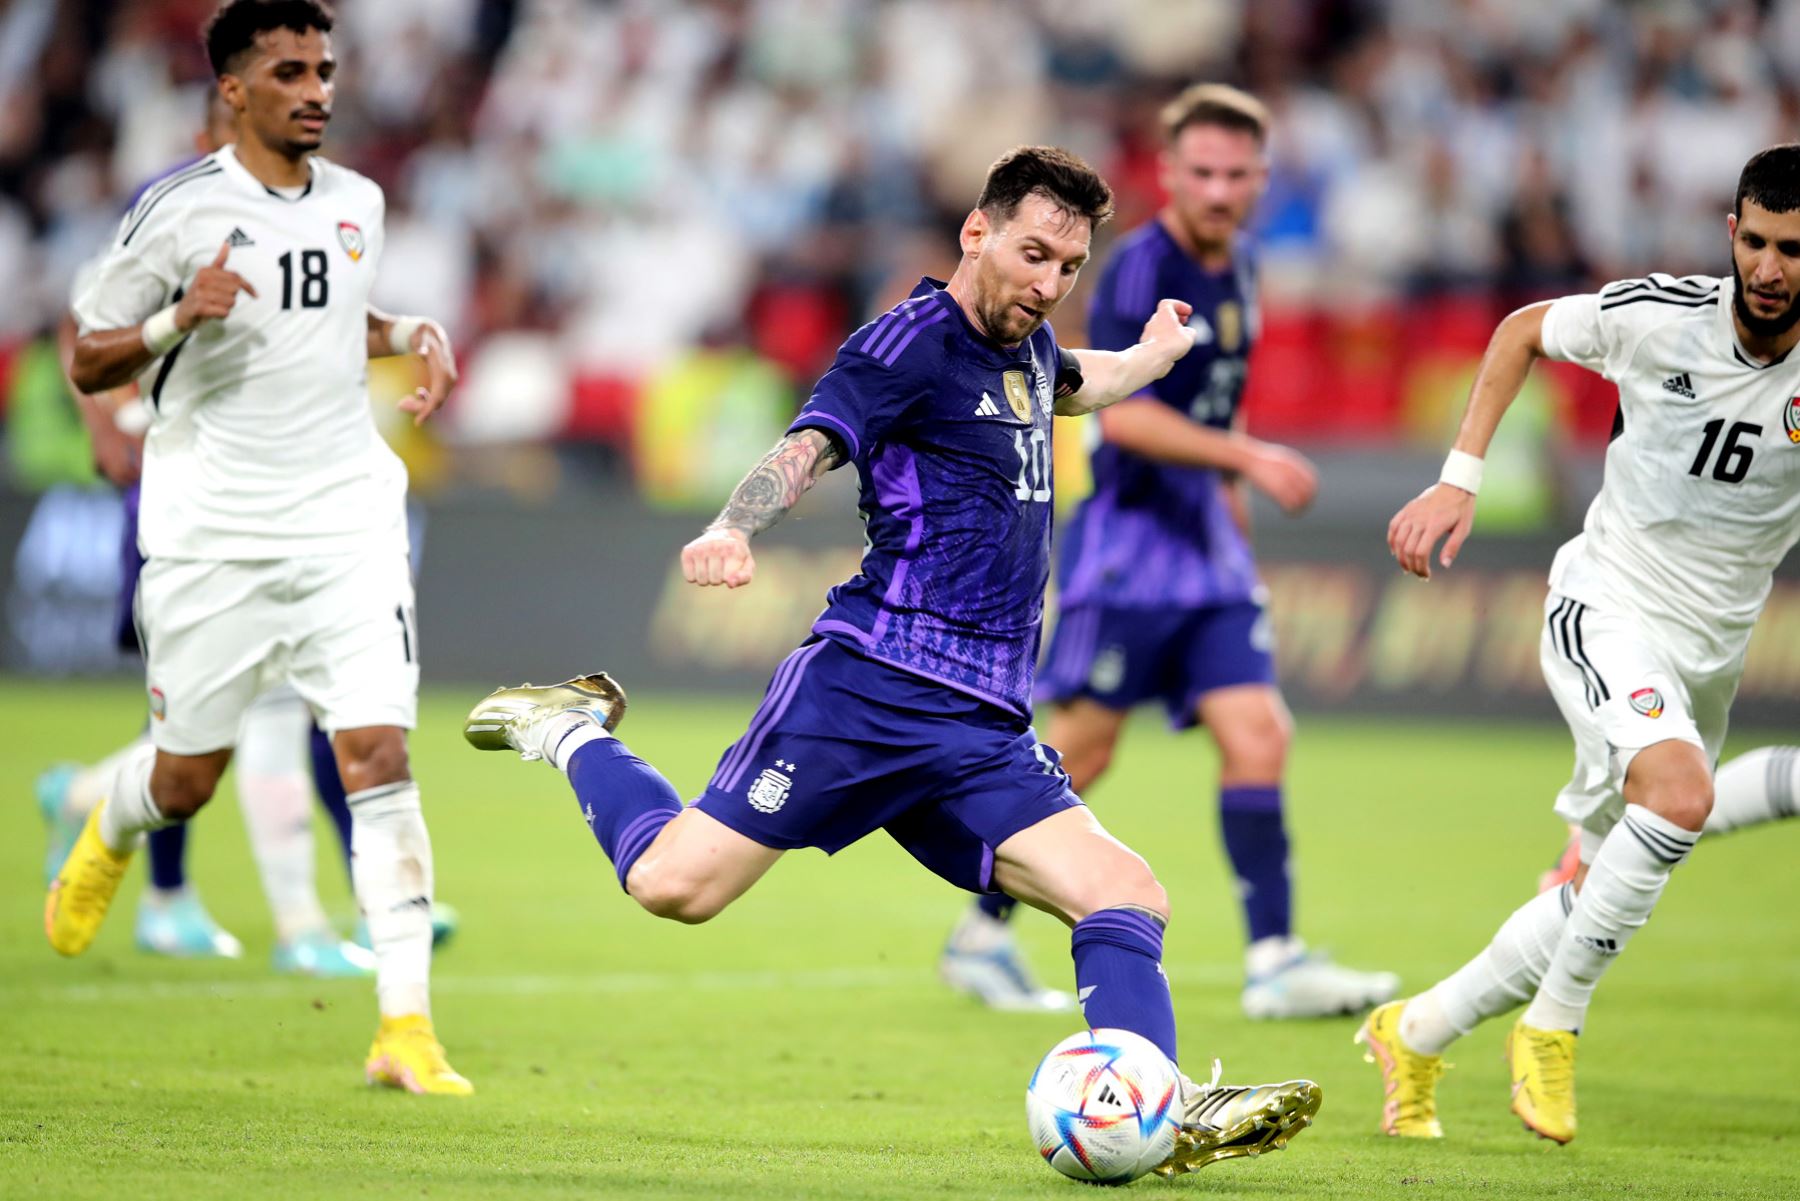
(1621, 688)
(339, 628)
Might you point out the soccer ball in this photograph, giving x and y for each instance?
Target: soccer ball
(1104, 1106)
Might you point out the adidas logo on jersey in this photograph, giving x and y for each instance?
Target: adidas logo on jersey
(987, 407)
(238, 238)
(1680, 385)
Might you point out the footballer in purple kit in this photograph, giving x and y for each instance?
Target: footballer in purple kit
(908, 708)
(1159, 595)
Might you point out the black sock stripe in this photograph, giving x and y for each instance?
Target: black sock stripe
(1566, 894)
(1632, 830)
(1666, 843)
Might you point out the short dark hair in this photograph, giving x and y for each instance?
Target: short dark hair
(1770, 180)
(1215, 104)
(234, 27)
(1056, 175)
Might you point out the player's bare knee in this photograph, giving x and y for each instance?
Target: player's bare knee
(1133, 887)
(673, 894)
(1255, 748)
(371, 763)
(182, 790)
(1672, 781)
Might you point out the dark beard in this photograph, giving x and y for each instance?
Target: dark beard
(1760, 327)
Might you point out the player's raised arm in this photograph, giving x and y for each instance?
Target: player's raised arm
(111, 358)
(1448, 506)
(1109, 376)
(721, 554)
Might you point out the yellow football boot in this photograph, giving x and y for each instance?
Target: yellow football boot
(1542, 1063)
(1408, 1079)
(83, 889)
(406, 1054)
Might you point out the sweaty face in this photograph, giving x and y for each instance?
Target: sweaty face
(1213, 177)
(1023, 266)
(285, 89)
(1765, 265)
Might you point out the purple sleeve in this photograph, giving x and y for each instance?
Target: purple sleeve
(860, 401)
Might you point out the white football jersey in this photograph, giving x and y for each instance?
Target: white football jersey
(261, 444)
(1701, 494)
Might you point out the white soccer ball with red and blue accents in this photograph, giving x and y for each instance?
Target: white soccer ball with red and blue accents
(1104, 1106)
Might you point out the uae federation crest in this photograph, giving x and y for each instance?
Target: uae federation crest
(1790, 418)
(1647, 701)
(350, 236)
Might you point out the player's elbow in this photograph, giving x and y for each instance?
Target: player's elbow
(86, 371)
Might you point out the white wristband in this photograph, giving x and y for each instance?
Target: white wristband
(1462, 470)
(400, 333)
(160, 333)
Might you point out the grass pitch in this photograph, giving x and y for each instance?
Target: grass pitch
(801, 1046)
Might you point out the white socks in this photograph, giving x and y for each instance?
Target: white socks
(1754, 788)
(1622, 886)
(1504, 975)
(89, 786)
(562, 736)
(274, 784)
(129, 810)
(391, 867)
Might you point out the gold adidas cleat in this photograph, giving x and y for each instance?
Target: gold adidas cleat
(1228, 1121)
(1408, 1079)
(83, 889)
(406, 1054)
(502, 717)
(1542, 1063)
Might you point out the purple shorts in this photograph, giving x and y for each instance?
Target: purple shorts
(1123, 657)
(843, 745)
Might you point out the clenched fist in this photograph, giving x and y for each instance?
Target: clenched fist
(720, 556)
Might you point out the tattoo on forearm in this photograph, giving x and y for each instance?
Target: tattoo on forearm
(777, 483)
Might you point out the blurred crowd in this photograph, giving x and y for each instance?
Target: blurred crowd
(624, 210)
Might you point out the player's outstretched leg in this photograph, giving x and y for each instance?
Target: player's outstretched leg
(675, 861)
(1668, 794)
(1069, 866)
(1406, 1039)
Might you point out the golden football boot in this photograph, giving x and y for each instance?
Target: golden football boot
(513, 719)
(83, 889)
(1542, 1063)
(1408, 1079)
(1224, 1121)
(406, 1054)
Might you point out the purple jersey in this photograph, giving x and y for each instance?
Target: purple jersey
(950, 434)
(1155, 534)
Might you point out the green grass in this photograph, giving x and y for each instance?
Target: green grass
(801, 1047)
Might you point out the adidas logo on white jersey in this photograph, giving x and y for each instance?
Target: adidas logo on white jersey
(238, 238)
(987, 407)
(1680, 385)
